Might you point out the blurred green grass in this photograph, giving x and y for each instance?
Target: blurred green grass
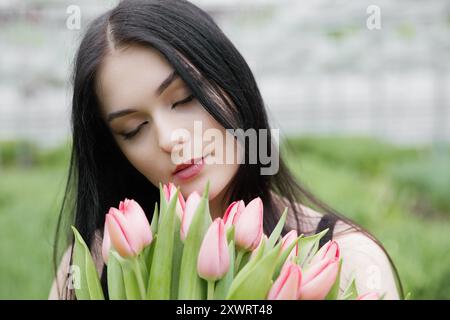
(29, 200)
(400, 194)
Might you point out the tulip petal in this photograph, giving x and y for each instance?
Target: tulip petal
(249, 225)
(192, 203)
(106, 244)
(287, 285)
(137, 221)
(116, 225)
(169, 192)
(229, 213)
(318, 287)
(290, 237)
(232, 213)
(213, 258)
(329, 250)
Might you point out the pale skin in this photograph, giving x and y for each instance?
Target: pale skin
(125, 83)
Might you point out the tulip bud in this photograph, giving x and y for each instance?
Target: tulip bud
(232, 213)
(192, 203)
(329, 250)
(318, 279)
(287, 286)
(369, 296)
(290, 237)
(214, 259)
(127, 230)
(169, 192)
(249, 226)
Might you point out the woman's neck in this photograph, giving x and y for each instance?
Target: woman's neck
(218, 206)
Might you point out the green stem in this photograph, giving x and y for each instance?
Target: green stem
(210, 289)
(238, 261)
(140, 280)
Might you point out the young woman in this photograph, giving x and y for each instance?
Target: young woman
(146, 69)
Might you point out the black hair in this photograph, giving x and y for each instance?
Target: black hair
(219, 77)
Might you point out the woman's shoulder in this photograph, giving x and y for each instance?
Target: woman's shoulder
(365, 260)
(362, 259)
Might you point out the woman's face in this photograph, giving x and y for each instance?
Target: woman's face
(148, 129)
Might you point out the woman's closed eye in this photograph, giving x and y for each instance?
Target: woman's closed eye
(185, 100)
(134, 132)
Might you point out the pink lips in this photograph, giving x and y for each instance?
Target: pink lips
(186, 171)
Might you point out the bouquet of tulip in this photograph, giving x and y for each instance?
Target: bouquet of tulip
(182, 254)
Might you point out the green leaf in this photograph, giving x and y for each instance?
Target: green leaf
(276, 231)
(143, 268)
(147, 253)
(230, 233)
(251, 262)
(159, 286)
(191, 285)
(155, 220)
(257, 281)
(334, 291)
(130, 281)
(116, 286)
(223, 285)
(307, 248)
(176, 260)
(90, 287)
(245, 259)
(162, 203)
(283, 256)
(351, 292)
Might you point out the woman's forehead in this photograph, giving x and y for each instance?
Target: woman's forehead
(125, 74)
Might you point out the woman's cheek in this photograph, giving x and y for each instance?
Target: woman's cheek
(144, 158)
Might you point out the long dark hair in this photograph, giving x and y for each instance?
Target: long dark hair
(100, 175)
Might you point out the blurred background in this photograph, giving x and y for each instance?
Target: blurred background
(359, 89)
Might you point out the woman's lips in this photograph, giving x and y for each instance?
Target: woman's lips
(187, 171)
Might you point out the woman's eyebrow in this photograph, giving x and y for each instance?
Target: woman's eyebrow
(163, 86)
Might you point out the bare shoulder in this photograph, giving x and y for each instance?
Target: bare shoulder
(60, 281)
(365, 260)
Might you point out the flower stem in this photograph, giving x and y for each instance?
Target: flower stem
(140, 280)
(238, 261)
(210, 289)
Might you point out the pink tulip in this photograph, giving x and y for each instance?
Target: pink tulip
(169, 192)
(329, 250)
(214, 259)
(369, 296)
(233, 211)
(288, 284)
(126, 229)
(290, 237)
(318, 279)
(192, 203)
(249, 226)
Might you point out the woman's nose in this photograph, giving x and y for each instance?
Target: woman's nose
(171, 136)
